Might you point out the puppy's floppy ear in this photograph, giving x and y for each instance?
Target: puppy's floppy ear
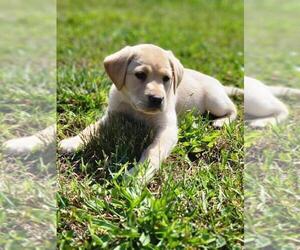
(177, 70)
(116, 65)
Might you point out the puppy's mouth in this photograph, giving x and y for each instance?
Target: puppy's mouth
(148, 109)
(152, 110)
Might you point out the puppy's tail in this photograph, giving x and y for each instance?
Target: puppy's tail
(233, 91)
(284, 91)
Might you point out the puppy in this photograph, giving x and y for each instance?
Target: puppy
(262, 107)
(151, 85)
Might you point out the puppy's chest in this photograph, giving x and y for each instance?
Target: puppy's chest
(126, 109)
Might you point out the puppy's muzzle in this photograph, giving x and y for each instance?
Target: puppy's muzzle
(155, 101)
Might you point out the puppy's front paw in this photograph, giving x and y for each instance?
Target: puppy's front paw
(142, 173)
(70, 145)
(23, 145)
(152, 158)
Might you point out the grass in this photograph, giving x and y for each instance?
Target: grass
(196, 200)
(271, 178)
(27, 103)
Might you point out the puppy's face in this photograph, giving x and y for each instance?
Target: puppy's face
(149, 80)
(146, 74)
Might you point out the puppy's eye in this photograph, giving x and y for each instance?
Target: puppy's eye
(141, 76)
(166, 79)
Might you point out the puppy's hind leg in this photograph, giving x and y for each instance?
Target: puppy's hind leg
(222, 107)
(229, 117)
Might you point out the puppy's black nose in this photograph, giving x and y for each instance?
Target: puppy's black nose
(155, 101)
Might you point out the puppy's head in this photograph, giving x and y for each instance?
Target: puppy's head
(146, 74)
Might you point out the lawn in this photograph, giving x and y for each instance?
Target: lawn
(271, 177)
(196, 200)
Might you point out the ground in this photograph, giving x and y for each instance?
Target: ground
(196, 200)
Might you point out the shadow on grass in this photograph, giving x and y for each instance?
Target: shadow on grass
(118, 142)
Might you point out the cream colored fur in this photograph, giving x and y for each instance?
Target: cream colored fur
(262, 107)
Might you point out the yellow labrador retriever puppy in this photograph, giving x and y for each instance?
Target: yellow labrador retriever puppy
(151, 85)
